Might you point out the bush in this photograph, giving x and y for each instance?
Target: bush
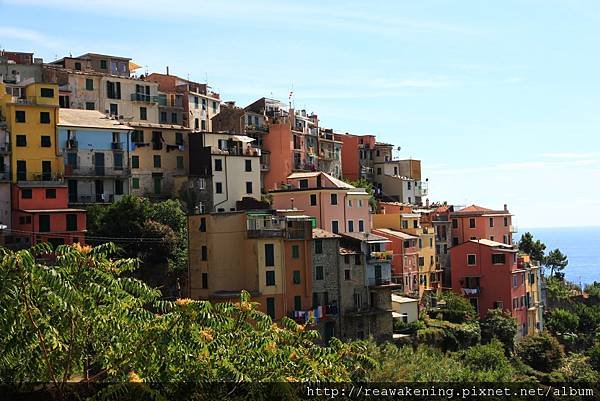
(594, 354)
(541, 351)
(408, 328)
(562, 321)
(577, 368)
(488, 357)
(500, 325)
(457, 309)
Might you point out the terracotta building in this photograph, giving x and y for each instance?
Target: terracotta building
(476, 222)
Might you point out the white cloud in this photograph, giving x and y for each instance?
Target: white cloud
(28, 35)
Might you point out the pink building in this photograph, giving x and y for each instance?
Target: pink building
(476, 222)
(337, 206)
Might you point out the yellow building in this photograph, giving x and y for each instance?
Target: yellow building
(159, 159)
(429, 272)
(533, 294)
(31, 121)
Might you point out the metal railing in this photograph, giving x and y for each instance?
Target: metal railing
(39, 176)
(142, 97)
(96, 171)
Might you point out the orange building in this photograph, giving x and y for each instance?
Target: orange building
(357, 156)
(476, 222)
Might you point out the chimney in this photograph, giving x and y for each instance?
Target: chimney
(427, 203)
(505, 207)
(167, 70)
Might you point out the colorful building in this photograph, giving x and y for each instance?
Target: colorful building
(405, 259)
(476, 222)
(491, 275)
(357, 156)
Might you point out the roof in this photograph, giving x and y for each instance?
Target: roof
(88, 119)
(402, 300)
(51, 210)
(396, 233)
(138, 124)
(493, 244)
(337, 183)
(320, 233)
(369, 237)
(478, 211)
(474, 208)
(102, 55)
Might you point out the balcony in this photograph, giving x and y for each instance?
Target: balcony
(513, 229)
(383, 283)
(265, 227)
(71, 144)
(381, 256)
(96, 171)
(142, 97)
(257, 128)
(117, 145)
(36, 178)
(421, 189)
(93, 198)
(471, 291)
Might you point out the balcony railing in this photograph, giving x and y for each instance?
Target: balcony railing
(142, 97)
(382, 282)
(117, 145)
(36, 177)
(381, 255)
(257, 128)
(471, 291)
(513, 229)
(4, 175)
(96, 171)
(94, 198)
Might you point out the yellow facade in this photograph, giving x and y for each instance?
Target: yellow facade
(532, 287)
(31, 121)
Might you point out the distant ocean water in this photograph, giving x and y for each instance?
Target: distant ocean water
(580, 244)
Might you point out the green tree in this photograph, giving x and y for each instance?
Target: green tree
(576, 368)
(556, 261)
(500, 325)
(368, 186)
(488, 358)
(457, 309)
(534, 248)
(541, 351)
(83, 319)
(561, 321)
(594, 354)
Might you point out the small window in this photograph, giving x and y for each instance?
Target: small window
(203, 125)
(349, 202)
(350, 226)
(491, 222)
(179, 162)
(90, 106)
(296, 276)
(89, 84)
(313, 199)
(318, 272)
(20, 116)
(204, 280)
(357, 260)
(335, 226)
(471, 259)
(163, 116)
(270, 277)
(498, 258)
(454, 223)
(347, 274)
(143, 113)
(334, 199)
(44, 117)
(47, 92)
(135, 162)
(506, 222)
(103, 64)
(471, 223)
(318, 246)
(118, 187)
(296, 251)
(218, 165)
(297, 303)
(303, 184)
(248, 165)
(271, 307)
(204, 253)
(21, 140)
(269, 255)
(378, 170)
(219, 188)
(214, 106)
(361, 226)
(78, 66)
(157, 161)
(45, 141)
(50, 193)
(203, 224)
(26, 194)
(178, 138)
(135, 183)
(71, 222)
(249, 187)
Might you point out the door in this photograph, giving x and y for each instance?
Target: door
(99, 163)
(21, 170)
(99, 190)
(377, 274)
(72, 191)
(46, 170)
(329, 331)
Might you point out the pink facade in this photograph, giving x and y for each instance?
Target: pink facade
(487, 273)
(476, 222)
(279, 143)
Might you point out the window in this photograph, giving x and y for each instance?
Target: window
(218, 165)
(431, 242)
(454, 223)
(21, 140)
(103, 64)
(421, 261)
(163, 116)
(361, 226)
(203, 224)
(378, 170)
(114, 109)
(204, 253)
(174, 118)
(349, 202)
(318, 246)
(218, 187)
(71, 222)
(135, 183)
(471, 259)
(318, 272)
(47, 92)
(350, 226)
(296, 277)
(118, 161)
(269, 255)
(204, 280)
(297, 302)
(270, 277)
(357, 260)
(347, 259)
(203, 125)
(26, 194)
(20, 116)
(454, 241)
(137, 136)
(506, 222)
(50, 193)
(143, 113)
(303, 184)
(203, 104)
(491, 222)
(90, 106)
(25, 220)
(335, 226)
(45, 141)
(135, 162)
(113, 90)
(214, 106)
(313, 199)
(157, 185)
(248, 165)
(347, 274)
(471, 223)
(179, 138)
(44, 117)
(515, 280)
(498, 258)
(157, 140)
(89, 84)
(415, 224)
(157, 161)
(78, 66)
(179, 162)
(196, 124)
(44, 222)
(420, 243)
(118, 187)
(271, 307)
(296, 251)
(405, 224)
(505, 239)
(249, 187)
(334, 199)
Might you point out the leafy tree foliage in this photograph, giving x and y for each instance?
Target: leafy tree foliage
(500, 325)
(83, 319)
(576, 368)
(488, 358)
(556, 261)
(457, 309)
(368, 186)
(534, 248)
(594, 354)
(561, 321)
(541, 351)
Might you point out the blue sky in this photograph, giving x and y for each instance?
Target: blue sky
(499, 99)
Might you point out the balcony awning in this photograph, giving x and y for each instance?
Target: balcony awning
(243, 138)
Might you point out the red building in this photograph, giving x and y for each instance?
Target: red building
(488, 273)
(40, 213)
(405, 267)
(357, 155)
(476, 222)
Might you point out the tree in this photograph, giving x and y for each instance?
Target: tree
(488, 357)
(457, 309)
(576, 368)
(561, 321)
(83, 319)
(594, 354)
(535, 249)
(500, 325)
(368, 186)
(541, 351)
(556, 261)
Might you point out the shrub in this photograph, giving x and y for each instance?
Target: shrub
(541, 351)
(577, 368)
(562, 321)
(457, 309)
(488, 358)
(500, 325)
(594, 354)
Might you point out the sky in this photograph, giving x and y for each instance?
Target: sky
(498, 99)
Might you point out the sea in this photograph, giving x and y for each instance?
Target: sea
(580, 244)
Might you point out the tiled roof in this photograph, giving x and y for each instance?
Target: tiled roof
(396, 233)
(320, 233)
(88, 119)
